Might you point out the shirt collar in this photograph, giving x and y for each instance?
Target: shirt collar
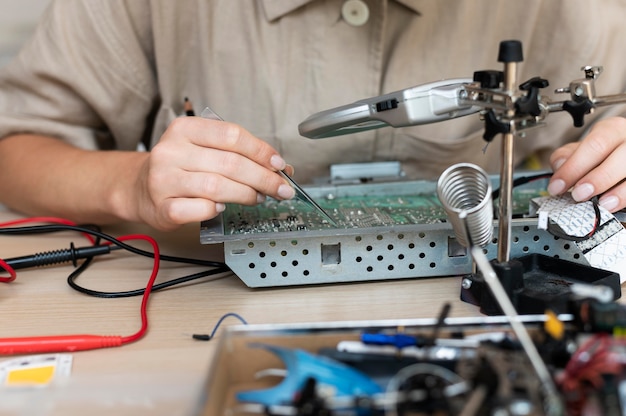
(275, 9)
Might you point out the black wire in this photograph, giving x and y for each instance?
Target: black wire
(218, 267)
(71, 281)
(557, 231)
(553, 228)
(522, 180)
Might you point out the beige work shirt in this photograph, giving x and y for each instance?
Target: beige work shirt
(110, 74)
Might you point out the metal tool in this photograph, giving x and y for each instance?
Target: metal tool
(304, 197)
(301, 195)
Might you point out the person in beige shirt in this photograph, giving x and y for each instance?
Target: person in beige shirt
(102, 78)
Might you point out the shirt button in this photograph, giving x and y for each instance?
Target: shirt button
(355, 12)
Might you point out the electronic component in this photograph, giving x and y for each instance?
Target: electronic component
(384, 231)
(468, 366)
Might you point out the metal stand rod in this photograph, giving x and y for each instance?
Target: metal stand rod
(506, 172)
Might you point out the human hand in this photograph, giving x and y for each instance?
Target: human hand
(201, 164)
(594, 166)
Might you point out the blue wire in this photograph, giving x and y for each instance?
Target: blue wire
(202, 337)
(234, 315)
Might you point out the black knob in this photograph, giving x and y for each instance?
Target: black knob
(489, 78)
(510, 51)
(578, 110)
(529, 104)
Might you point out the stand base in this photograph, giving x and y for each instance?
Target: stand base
(536, 283)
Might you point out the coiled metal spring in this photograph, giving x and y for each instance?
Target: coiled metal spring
(466, 188)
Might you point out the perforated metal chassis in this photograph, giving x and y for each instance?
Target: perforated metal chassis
(366, 255)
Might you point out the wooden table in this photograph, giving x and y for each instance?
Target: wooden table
(163, 373)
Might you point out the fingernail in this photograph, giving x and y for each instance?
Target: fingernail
(557, 164)
(286, 192)
(556, 187)
(277, 162)
(219, 207)
(609, 202)
(260, 198)
(582, 192)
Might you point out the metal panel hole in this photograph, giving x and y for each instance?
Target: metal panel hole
(331, 254)
(455, 249)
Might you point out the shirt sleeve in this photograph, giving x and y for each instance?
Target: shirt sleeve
(86, 76)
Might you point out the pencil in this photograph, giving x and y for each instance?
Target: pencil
(188, 107)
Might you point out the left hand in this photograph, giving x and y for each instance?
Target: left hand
(594, 166)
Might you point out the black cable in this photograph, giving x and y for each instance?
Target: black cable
(218, 267)
(553, 228)
(71, 281)
(557, 231)
(522, 180)
(41, 229)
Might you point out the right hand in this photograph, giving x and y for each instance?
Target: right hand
(199, 165)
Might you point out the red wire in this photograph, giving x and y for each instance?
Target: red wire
(10, 270)
(58, 343)
(146, 294)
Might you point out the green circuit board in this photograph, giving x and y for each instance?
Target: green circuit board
(361, 208)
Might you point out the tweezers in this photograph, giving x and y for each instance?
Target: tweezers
(301, 195)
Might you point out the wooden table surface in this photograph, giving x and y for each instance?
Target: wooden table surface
(164, 372)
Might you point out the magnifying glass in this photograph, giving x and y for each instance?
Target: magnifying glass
(422, 104)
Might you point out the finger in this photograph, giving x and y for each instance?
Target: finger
(198, 173)
(175, 212)
(218, 188)
(578, 161)
(290, 170)
(615, 199)
(226, 136)
(603, 177)
(560, 155)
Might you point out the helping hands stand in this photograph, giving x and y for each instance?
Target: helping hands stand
(509, 111)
